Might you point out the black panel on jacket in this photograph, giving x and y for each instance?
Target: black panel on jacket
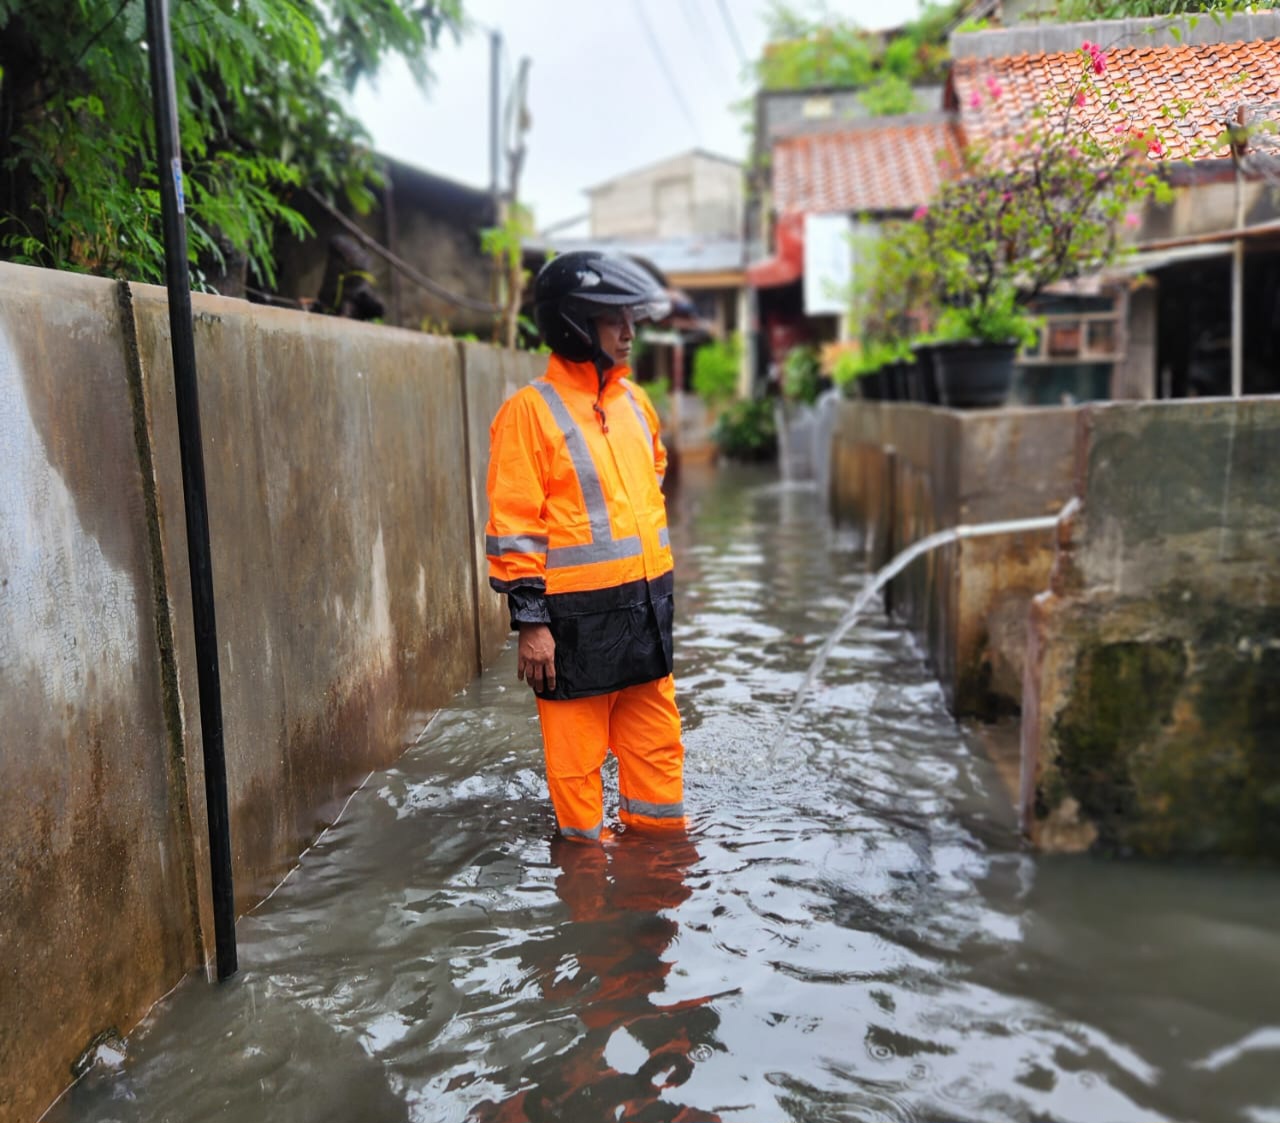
(608, 639)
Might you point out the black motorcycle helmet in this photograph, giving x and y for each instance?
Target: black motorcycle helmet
(573, 288)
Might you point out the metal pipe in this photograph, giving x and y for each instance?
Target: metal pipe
(1237, 318)
(164, 102)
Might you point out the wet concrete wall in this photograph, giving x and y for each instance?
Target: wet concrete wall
(901, 472)
(343, 462)
(97, 915)
(1152, 691)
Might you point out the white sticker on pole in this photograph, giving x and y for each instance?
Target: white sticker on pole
(177, 184)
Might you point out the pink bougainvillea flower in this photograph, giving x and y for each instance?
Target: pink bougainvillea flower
(1080, 98)
(975, 100)
(922, 211)
(1097, 56)
(993, 87)
(1154, 147)
(1007, 196)
(1132, 221)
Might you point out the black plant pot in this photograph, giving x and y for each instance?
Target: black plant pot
(871, 386)
(895, 382)
(911, 390)
(974, 375)
(926, 379)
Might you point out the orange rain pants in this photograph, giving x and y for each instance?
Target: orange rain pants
(642, 726)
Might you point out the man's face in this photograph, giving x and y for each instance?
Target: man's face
(616, 332)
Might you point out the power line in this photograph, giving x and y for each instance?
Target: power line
(733, 31)
(695, 16)
(666, 70)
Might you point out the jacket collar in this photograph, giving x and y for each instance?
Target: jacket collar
(583, 376)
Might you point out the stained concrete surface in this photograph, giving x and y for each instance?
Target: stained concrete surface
(341, 465)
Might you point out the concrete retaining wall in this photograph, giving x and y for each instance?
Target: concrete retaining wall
(901, 472)
(1140, 640)
(1152, 692)
(345, 476)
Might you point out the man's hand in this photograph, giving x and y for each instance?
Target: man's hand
(537, 652)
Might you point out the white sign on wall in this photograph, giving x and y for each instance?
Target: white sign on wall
(828, 263)
(836, 250)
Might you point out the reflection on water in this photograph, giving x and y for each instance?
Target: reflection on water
(851, 932)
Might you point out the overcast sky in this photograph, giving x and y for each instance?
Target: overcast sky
(613, 85)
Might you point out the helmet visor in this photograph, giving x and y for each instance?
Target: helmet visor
(656, 307)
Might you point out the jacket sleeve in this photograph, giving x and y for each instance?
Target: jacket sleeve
(516, 531)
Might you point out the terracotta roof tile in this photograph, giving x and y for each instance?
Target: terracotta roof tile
(1185, 93)
(870, 167)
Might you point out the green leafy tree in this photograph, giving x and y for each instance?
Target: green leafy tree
(804, 51)
(260, 86)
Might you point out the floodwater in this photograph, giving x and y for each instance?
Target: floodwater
(851, 933)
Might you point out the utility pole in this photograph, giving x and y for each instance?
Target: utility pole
(517, 122)
(495, 187)
(199, 552)
(495, 95)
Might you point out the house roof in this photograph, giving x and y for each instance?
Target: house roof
(1186, 93)
(689, 155)
(882, 165)
(680, 256)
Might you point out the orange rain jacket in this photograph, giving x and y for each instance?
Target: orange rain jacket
(577, 530)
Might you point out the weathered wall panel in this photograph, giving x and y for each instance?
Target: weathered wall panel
(1152, 718)
(342, 462)
(334, 456)
(95, 891)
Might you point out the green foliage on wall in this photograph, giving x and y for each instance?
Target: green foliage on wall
(808, 51)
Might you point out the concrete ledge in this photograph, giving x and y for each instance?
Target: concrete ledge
(1157, 31)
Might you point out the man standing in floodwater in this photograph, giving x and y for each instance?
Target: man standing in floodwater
(577, 540)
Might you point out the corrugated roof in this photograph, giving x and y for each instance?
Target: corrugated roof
(884, 165)
(1185, 93)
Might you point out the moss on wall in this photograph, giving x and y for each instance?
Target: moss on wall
(1172, 747)
(1124, 695)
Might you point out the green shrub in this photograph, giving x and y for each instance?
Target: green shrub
(715, 371)
(802, 374)
(747, 430)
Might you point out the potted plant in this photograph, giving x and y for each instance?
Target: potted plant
(974, 347)
(1042, 203)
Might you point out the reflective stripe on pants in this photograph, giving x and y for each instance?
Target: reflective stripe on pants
(642, 727)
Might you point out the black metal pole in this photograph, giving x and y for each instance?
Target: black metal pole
(164, 100)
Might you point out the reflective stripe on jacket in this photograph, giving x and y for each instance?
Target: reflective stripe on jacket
(577, 529)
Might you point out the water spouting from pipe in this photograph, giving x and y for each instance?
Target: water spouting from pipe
(895, 566)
